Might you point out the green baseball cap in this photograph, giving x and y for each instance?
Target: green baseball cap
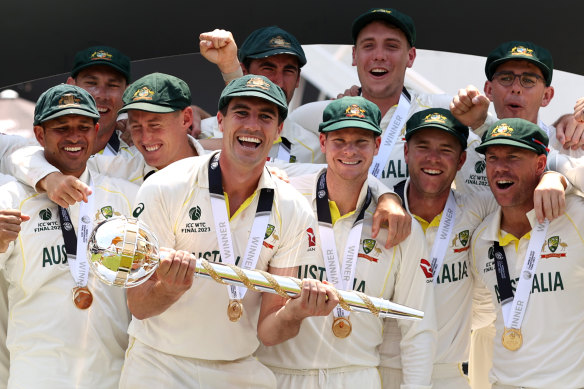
(269, 41)
(64, 100)
(437, 118)
(351, 112)
(515, 132)
(158, 93)
(390, 15)
(252, 85)
(519, 50)
(101, 55)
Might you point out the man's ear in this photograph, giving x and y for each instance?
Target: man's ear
(548, 95)
(39, 133)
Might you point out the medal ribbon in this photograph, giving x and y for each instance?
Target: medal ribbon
(77, 248)
(513, 308)
(343, 278)
(223, 231)
(284, 150)
(391, 134)
(443, 236)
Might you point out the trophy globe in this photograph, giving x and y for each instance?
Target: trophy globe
(123, 252)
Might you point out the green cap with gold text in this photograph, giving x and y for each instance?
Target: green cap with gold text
(390, 15)
(517, 133)
(269, 41)
(64, 100)
(101, 55)
(158, 93)
(518, 50)
(351, 112)
(437, 118)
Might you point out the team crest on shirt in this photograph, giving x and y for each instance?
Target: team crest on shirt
(256, 82)
(107, 212)
(101, 55)
(502, 129)
(46, 224)
(521, 50)
(138, 210)
(480, 166)
(354, 110)
(143, 93)
(552, 245)
(195, 213)
(270, 238)
(462, 237)
(435, 118)
(45, 214)
(68, 100)
(370, 252)
(195, 224)
(427, 269)
(278, 41)
(311, 239)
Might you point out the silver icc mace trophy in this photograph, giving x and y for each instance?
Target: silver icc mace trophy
(124, 252)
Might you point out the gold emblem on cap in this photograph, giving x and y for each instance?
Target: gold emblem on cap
(278, 41)
(100, 54)
(68, 100)
(354, 111)
(435, 118)
(143, 93)
(502, 129)
(381, 10)
(521, 50)
(257, 82)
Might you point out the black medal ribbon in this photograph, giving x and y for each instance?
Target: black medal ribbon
(502, 271)
(114, 142)
(68, 231)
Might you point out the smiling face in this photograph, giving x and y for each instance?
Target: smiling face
(516, 101)
(250, 125)
(433, 157)
(282, 69)
(513, 174)
(107, 87)
(349, 153)
(161, 137)
(382, 54)
(68, 141)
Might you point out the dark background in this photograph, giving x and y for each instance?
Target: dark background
(40, 37)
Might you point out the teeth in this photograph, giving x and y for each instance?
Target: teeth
(152, 148)
(101, 109)
(378, 71)
(431, 171)
(73, 149)
(350, 163)
(248, 139)
(503, 182)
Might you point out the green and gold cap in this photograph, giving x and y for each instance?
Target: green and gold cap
(64, 100)
(437, 118)
(351, 112)
(252, 85)
(515, 132)
(390, 15)
(519, 50)
(101, 55)
(269, 41)
(158, 93)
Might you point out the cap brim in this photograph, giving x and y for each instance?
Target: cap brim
(544, 69)
(148, 107)
(482, 148)
(71, 111)
(366, 19)
(255, 93)
(76, 71)
(447, 129)
(350, 123)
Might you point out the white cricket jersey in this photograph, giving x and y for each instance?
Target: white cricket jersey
(453, 289)
(176, 205)
(553, 331)
(393, 274)
(52, 343)
(305, 144)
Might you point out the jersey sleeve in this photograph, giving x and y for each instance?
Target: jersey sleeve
(28, 165)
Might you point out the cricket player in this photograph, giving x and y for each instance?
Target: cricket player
(207, 206)
(531, 269)
(65, 328)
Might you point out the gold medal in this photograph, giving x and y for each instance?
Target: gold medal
(512, 339)
(82, 297)
(234, 310)
(341, 327)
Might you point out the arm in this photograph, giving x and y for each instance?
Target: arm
(470, 107)
(569, 132)
(549, 198)
(389, 213)
(172, 279)
(218, 47)
(280, 318)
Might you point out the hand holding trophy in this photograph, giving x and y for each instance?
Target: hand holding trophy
(124, 252)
